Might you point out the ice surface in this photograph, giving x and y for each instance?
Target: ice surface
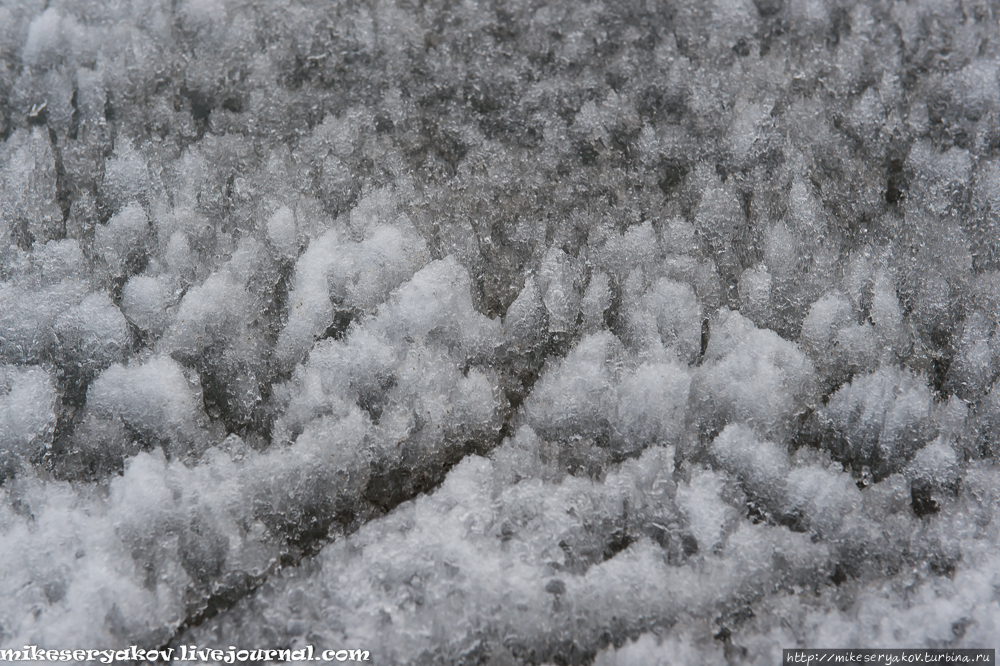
(467, 333)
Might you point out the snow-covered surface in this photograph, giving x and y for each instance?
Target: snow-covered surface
(572, 332)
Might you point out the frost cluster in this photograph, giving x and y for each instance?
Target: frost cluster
(523, 332)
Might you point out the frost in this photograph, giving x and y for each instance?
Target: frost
(145, 301)
(593, 393)
(338, 275)
(838, 344)
(463, 541)
(27, 410)
(154, 400)
(752, 376)
(121, 242)
(556, 281)
(29, 187)
(500, 333)
(669, 314)
(881, 419)
(28, 317)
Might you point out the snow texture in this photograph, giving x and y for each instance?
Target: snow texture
(497, 333)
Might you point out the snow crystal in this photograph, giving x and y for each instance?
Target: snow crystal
(121, 242)
(27, 410)
(753, 376)
(145, 301)
(460, 332)
(154, 400)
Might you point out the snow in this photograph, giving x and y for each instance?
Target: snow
(27, 410)
(121, 242)
(154, 399)
(568, 333)
(145, 301)
(753, 376)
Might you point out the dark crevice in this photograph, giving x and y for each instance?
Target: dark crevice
(922, 499)
(74, 119)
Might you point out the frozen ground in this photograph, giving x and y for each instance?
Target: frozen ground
(630, 332)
